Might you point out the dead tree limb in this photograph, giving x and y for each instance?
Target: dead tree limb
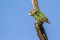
(35, 4)
(40, 31)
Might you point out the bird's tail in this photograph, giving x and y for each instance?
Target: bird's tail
(40, 31)
(47, 21)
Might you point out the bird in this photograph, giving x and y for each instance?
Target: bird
(38, 16)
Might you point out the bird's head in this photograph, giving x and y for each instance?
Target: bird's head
(32, 12)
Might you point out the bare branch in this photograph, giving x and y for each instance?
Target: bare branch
(35, 4)
(40, 32)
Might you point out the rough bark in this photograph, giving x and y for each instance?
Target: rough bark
(35, 4)
(40, 31)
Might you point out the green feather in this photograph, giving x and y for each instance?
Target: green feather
(39, 17)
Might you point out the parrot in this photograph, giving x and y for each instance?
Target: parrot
(40, 18)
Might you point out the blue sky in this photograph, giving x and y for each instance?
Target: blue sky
(16, 24)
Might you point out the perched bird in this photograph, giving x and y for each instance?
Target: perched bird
(38, 16)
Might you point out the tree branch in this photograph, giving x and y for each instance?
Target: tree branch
(35, 4)
(40, 31)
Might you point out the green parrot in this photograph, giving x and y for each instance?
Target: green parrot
(38, 16)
